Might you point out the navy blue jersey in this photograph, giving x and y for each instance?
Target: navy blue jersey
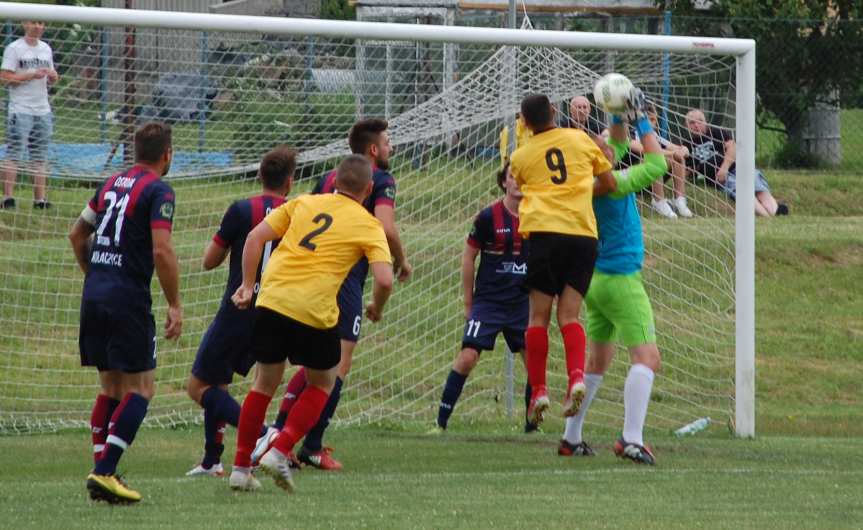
(128, 207)
(383, 192)
(241, 217)
(503, 257)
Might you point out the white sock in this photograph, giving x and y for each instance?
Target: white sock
(636, 397)
(574, 424)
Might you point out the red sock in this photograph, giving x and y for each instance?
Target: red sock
(99, 418)
(252, 416)
(304, 415)
(536, 344)
(293, 390)
(574, 344)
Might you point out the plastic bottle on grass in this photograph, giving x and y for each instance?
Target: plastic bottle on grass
(691, 428)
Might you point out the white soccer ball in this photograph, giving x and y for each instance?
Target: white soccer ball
(611, 92)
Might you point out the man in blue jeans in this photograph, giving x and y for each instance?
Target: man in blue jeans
(28, 69)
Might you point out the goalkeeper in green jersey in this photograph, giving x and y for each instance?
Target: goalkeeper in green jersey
(617, 305)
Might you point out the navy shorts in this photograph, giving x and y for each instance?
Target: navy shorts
(277, 337)
(226, 347)
(119, 337)
(484, 324)
(350, 301)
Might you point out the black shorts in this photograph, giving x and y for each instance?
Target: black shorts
(557, 260)
(277, 337)
(226, 347)
(121, 337)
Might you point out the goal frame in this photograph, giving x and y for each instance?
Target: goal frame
(743, 50)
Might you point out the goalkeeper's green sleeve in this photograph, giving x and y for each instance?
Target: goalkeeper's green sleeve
(639, 176)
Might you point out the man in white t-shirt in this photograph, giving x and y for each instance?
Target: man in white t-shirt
(27, 69)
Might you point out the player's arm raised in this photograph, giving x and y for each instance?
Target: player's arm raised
(468, 276)
(252, 252)
(168, 269)
(386, 214)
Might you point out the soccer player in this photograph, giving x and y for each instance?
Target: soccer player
(368, 138)
(555, 171)
(131, 214)
(495, 300)
(225, 346)
(617, 304)
(322, 238)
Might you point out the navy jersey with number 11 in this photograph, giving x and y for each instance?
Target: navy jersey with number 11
(128, 207)
(503, 258)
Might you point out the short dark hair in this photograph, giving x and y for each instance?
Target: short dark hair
(277, 166)
(501, 176)
(536, 110)
(650, 108)
(152, 141)
(353, 174)
(365, 133)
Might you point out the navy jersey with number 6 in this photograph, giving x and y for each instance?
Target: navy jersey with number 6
(128, 207)
(350, 298)
(503, 259)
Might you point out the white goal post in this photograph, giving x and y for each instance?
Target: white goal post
(530, 41)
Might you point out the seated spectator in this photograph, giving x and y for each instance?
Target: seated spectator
(676, 156)
(712, 152)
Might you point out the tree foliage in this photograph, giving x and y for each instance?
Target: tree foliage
(808, 52)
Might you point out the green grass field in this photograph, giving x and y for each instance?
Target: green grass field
(804, 470)
(484, 479)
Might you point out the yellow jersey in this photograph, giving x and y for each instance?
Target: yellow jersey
(522, 133)
(323, 236)
(554, 170)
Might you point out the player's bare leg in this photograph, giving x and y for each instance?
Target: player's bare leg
(536, 345)
(575, 345)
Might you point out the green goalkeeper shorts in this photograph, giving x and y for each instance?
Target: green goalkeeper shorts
(618, 308)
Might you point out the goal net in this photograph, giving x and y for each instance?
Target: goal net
(231, 96)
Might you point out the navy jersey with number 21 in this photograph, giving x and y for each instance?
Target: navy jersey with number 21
(128, 207)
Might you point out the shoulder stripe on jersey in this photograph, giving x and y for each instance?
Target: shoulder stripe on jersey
(516, 235)
(143, 180)
(257, 204)
(105, 187)
(498, 226)
(329, 182)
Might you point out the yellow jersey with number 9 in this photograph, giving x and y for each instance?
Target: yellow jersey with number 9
(554, 170)
(323, 237)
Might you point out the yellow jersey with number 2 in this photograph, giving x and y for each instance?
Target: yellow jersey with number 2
(323, 236)
(554, 170)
